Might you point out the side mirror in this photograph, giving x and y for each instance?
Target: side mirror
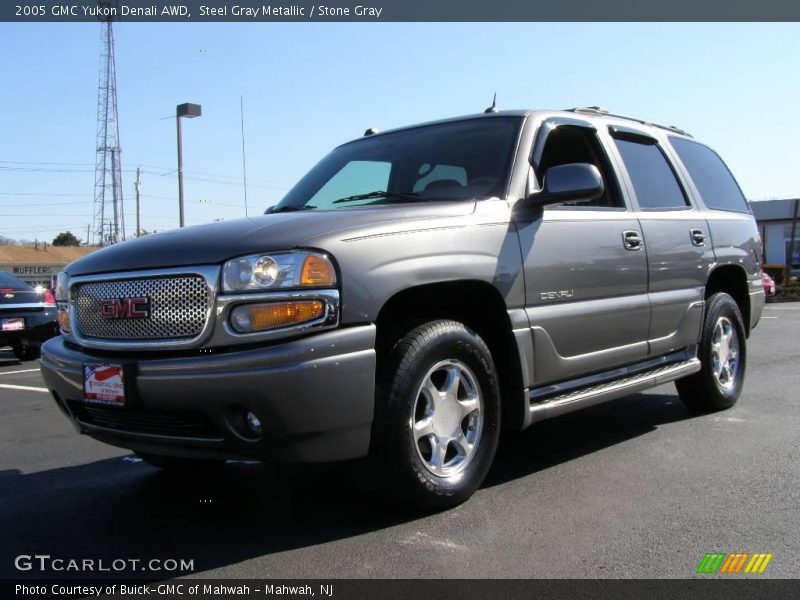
(576, 182)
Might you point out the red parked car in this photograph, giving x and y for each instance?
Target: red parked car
(769, 285)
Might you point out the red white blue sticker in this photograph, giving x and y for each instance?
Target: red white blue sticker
(104, 384)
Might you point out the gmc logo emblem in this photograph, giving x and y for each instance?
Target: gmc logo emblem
(125, 308)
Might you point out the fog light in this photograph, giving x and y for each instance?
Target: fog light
(258, 317)
(253, 422)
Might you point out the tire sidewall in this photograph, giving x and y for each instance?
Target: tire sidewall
(454, 341)
(723, 305)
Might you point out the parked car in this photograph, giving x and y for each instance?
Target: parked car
(769, 285)
(414, 293)
(27, 316)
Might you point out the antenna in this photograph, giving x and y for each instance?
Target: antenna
(108, 170)
(244, 163)
(493, 107)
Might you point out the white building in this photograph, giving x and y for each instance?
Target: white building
(776, 219)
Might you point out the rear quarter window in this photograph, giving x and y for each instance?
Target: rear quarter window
(7, 281)
(711, 176)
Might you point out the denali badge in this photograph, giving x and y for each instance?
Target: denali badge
(562, 295)
(125, 308)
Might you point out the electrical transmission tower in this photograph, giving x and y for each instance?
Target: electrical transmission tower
(109, 216)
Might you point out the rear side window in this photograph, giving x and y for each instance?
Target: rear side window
(654, 181)
(7, 281)
(714, 181)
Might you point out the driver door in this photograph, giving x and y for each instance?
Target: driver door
(585, 272)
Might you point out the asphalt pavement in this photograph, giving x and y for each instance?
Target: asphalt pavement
(636, 488)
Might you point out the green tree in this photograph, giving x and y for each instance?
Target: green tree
(66, 238)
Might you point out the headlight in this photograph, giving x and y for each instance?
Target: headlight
(62, 286)
(278, 270)
(62, 301)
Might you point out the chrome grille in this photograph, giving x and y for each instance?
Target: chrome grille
(179, 307)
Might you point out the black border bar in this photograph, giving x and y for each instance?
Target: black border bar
(267, 11)
(733, 588)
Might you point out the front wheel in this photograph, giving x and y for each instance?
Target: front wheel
(723, 355)
(439, 419)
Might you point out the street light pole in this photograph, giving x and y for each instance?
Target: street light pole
(180, 172)
(189, 111)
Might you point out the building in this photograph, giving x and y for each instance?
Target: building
(39, 265)
(778, 221)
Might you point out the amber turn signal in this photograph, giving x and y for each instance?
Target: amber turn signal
(317, 271)
(274, 315)
(63, 319)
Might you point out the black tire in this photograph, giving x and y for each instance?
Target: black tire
(24, 353)
(179, 464)
(448, 347)
(705, 391)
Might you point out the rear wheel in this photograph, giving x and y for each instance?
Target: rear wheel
(24, 353)
(723, 354)
(439, 417)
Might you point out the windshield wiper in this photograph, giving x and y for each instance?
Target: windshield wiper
(288, 208)
(410, 196)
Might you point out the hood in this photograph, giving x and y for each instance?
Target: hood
(215, 243)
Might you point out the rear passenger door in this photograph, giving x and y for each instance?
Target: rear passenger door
(676, 240)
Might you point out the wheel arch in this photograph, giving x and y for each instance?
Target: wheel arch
(481, 307)
(732, 280)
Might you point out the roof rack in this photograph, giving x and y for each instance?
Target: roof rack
(599, 110)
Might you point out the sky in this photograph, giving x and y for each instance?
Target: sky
(307, 87)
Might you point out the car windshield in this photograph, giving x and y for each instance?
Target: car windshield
(451, 161)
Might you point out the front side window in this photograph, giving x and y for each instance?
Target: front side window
(569, 144)
(711, 176)
(653, 179)
(450, 161)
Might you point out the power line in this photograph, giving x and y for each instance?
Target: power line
(170, 170)
(48, 204)
(42, 194)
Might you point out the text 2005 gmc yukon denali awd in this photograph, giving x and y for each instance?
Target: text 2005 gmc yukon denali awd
(415, 292)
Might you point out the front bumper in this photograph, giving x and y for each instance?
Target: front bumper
(314, 397)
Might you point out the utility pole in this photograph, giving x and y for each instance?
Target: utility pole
(138, 209)
(87, 235)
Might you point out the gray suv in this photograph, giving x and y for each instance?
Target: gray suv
(415, 293)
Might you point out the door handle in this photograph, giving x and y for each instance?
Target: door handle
(698, 237)
(632, 239)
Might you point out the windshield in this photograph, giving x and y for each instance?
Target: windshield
(452, 161)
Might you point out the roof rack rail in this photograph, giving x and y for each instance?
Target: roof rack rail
(599, 110)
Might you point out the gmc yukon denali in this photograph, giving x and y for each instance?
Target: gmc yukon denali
(415, 293)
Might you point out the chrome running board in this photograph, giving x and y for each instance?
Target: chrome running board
(617, 388)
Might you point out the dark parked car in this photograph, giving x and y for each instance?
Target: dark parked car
(27, 316)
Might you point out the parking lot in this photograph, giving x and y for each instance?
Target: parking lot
(639, 487)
